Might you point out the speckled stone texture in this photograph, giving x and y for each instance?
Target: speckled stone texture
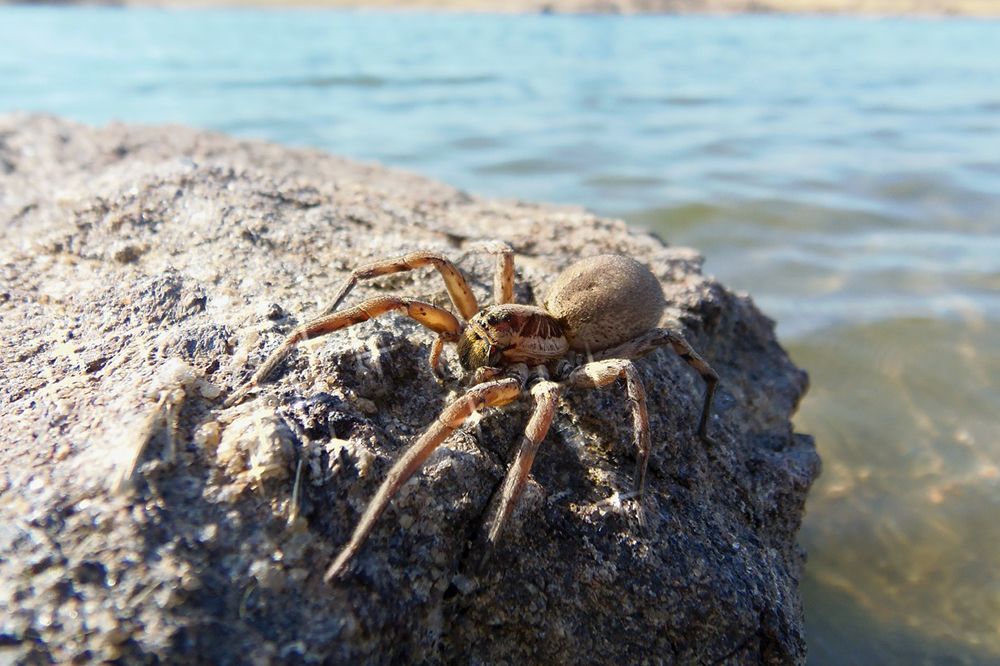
(145, 273)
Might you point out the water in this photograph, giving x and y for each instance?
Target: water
(845, 172)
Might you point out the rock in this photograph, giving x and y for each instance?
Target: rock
(131, 253)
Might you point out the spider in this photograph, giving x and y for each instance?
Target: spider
(599, 313)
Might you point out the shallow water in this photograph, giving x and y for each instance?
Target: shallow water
(845, 172)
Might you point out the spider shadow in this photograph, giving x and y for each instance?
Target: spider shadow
(584, 466)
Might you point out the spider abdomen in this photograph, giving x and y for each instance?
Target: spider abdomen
(604, 301)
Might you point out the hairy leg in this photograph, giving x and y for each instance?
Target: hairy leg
(457, 287)
(662, 337)
(546, 396)
(601, 373)
(490, 394)
(503, 276)
(438, 320)
(435, 358)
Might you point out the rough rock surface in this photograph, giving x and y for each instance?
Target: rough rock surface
(146, 271)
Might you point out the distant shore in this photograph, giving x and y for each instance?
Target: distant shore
(917, 8)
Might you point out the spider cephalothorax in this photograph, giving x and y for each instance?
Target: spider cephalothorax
(505, 334)
(599, 313)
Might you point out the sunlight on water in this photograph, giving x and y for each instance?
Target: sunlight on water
(899, 335)
(903, 524)
(844, 172)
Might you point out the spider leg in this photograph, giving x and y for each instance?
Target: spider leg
(503, 276)
(435, 359)
(484, 374)
(457, 287)
(437, 319)
(601, 373)
(661, 337)
(546, 396)
(490, 394)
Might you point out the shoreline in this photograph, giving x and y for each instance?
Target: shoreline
(929, 9)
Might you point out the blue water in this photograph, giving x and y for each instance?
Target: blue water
(846, 172)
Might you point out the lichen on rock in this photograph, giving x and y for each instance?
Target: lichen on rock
(127, 250)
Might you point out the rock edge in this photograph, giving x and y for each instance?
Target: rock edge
(145, 268)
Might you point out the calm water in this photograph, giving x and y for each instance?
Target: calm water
(846, 172)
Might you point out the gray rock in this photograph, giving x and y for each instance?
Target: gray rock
(147, 271)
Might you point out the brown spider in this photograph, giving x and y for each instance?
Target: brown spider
(600, 312)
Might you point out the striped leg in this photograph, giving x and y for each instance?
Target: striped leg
(662, 337)
(546, 396)
(490, 394)
(601, 373)
(457, 287)
(438, 320)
